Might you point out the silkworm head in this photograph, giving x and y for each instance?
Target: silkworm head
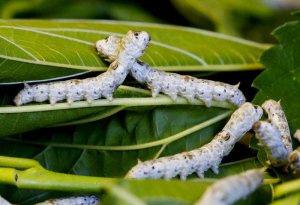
(108, 47)
(139, 171)
(24, 96)
(135, 42)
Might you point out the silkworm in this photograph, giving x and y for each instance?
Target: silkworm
(4, 201)
(297, 135)
(294, 160)
(79, 200)
(173, 84)
(277, 118)
(201, 159)
(230, 189)
(131, 46)
(270, 139)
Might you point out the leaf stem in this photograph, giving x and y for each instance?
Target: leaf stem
(163, 147)
(39, 178)
(129, 102)
(33, 176)
(218, 68)
(167, 140)
(19, 163)
(286, 188)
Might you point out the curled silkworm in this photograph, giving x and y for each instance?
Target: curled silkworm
(297, 135)
(131, 46)
(270, 138)
(294, 160)
(277, 118)
(79, 200)
(233, 188)
(173, 84)
(201, 159)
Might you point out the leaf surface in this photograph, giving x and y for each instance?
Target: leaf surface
(42, 49)
(281, 79)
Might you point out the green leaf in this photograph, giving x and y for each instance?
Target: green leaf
(42, 49)
(281, 79)
(179, 192)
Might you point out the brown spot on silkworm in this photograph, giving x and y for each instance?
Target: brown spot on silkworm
(226, 137)
(186, 78)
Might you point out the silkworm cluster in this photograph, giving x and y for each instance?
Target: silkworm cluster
(270, 139)
(79, 200)
(173, 84)
(230, 189)
(131, 46)
(277, 118)
(201, 159)
(294, 160)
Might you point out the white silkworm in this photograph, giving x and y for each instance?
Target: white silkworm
(277, 118)
(233, 188)
(79, 200)
(297, 135)
(4, 201)
(201, 159)
(270, 138)
(294, 160)
(173, 84)
(131, 46)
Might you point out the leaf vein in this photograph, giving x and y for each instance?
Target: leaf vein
(20, 47)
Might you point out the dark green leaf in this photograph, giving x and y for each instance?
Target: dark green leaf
(281, 79)
(85, 149)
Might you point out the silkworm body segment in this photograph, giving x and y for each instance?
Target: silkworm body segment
(80, 200)
(4, 201)
(277, 118)
(230, 189)
(201, 159)
(270, 138)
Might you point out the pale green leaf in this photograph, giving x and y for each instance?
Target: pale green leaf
(42, 49)
(293, 199)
